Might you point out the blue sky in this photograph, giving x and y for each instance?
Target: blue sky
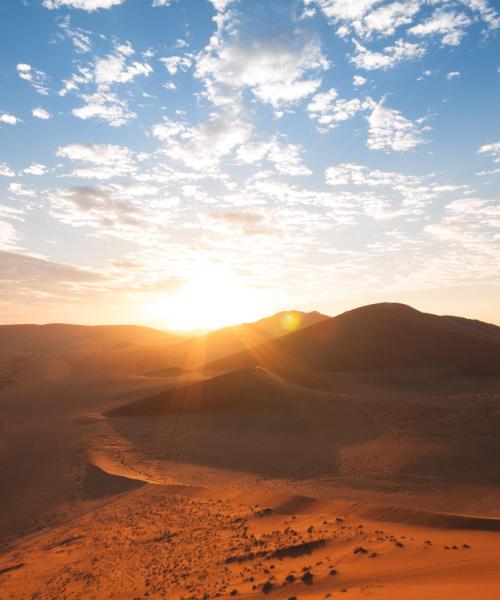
(192, 163)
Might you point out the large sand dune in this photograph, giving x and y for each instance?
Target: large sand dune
(379, 336)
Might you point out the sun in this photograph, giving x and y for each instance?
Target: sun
(212, 297)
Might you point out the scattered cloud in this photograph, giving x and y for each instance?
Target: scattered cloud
(388, 58)
(8, 119)
(491, 150)
(202, 146)
(20, 189)
(127, 211)
(174, 63)
(6, 171)
(113, 69)
(36, 169)
(358, 81)
(384, 20)
(88, 5)
(98, 80)
(388, 129)
(104, 161)
(37, 78)
(328, 110)
(41, 113)
(276, 72)
(105, 106)
(448, 24)
(9, 238)
(80, 38)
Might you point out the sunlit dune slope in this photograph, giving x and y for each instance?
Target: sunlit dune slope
(188, 542)
(379, 336)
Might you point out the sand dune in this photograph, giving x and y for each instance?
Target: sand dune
(196, 543)
(289, 479)
(379, 336)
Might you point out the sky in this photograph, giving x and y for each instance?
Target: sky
(196, 163)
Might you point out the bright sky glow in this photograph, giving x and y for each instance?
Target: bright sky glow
(194, 163)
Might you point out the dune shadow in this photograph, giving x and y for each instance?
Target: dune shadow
(385, 440)
(97, 483)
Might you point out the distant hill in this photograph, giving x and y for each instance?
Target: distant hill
(378, 336)
(228, 340)
(58, 336)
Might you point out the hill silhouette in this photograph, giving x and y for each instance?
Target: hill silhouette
(378, 336)
(200, 350)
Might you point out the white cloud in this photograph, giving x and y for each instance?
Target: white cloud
(329, 111)
(453, 75)
(384, 20)
(388, 129)
(102, 101)
(221, 5)
(105, 106)
(106, 160)
(37, 78)
(473, 225)
(6, 171)
(204, 145)
(487, 13)
(354, 174)
(388, 58)
(492, 150)
(286, 158)
(36, 169)
(9, 237)
(358, 80)
(128, 211)
(113, 69)
(174, 63)
(88, 5)
(41, 113)
(21, 190)
(84, 76)
(276, 73)
(80, 38)
(8, 119)
(450, 25)
(344, 10)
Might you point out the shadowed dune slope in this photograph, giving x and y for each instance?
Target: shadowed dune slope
(245, 387)
(379, 336)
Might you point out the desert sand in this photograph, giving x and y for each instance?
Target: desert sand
(129, 470)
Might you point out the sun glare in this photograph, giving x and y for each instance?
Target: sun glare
(290, 321)
(212, 298)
